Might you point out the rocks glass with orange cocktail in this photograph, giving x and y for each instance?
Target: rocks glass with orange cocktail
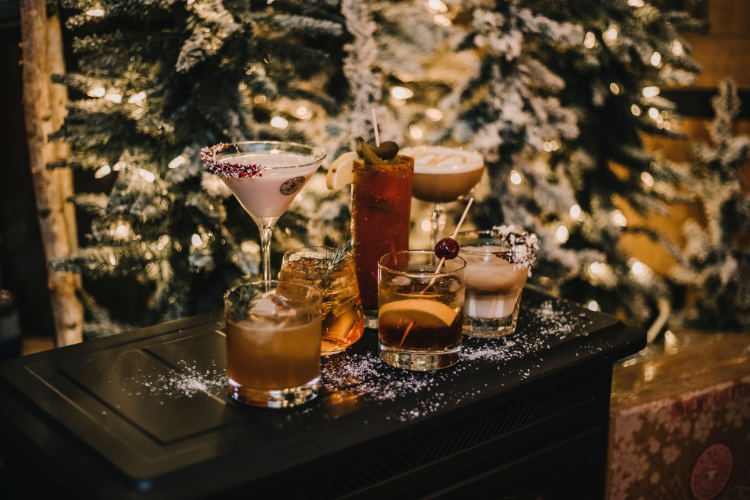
(334, 274)
(273, 343)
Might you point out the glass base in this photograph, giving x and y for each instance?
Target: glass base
(419, 360)
(332, 346)
(371, 318)
(492, 328)
(275, 398)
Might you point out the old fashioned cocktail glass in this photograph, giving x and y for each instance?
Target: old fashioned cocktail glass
(343, 319)
(443, 175)
(273, 343)
(381, 212)
(493, 285)
(421, 313)
(265, 176)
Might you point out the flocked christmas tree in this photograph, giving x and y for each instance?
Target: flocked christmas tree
(554, 95)
(716, 261)
(172, 78)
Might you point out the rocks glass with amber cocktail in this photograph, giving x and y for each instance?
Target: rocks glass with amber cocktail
(443, 175)
(498, 262)
(264, 176)
(420, 318)
(334, 273)
(273, 343)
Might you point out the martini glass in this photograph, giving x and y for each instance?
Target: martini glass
(443, 175)
(264, 176)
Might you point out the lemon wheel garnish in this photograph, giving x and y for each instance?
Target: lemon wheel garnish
(422, 312)
(340, 173)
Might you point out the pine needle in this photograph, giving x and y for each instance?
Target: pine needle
(340, 253)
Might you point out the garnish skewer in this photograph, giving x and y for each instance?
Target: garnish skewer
(455, 233)
(442, 261)
(375, 126)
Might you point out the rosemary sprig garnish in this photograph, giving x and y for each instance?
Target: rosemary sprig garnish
(340, 253)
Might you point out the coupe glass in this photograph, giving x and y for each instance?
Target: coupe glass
(443, 175)
(286, 168)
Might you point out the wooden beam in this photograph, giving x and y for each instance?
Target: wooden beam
(44, 112)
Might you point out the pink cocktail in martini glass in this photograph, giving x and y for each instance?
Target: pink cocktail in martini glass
(264, 176)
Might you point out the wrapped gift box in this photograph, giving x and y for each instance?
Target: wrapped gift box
(680, 421)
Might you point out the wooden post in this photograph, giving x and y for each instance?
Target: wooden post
(44, 112)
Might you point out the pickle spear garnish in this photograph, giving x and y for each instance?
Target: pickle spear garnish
(385, 151)
(371, 158)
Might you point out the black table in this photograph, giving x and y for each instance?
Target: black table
(145, 415)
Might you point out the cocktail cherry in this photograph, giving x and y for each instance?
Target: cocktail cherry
(447, 248)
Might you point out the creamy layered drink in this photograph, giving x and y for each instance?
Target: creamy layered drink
(497, 265)
(494, 282)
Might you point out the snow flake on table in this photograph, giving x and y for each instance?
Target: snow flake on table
(188, 382)
(370, 376)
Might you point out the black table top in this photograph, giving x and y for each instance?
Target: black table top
(149, 409)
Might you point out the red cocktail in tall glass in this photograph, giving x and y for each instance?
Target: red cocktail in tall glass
(381, 213)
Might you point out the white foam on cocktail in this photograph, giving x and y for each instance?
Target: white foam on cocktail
(439, 160)
(262, 196)
(492, 283)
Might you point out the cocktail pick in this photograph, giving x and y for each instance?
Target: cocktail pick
(375, 125)
(440, 265)
(455, 233)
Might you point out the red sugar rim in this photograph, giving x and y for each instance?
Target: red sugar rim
(226, 169)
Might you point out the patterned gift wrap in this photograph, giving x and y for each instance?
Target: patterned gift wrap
(680, 422)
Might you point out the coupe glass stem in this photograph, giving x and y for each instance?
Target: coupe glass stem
(266, 234)
(438, 223)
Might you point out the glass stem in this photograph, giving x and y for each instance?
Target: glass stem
(438, 223)
(266, 234)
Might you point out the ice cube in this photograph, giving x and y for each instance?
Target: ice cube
(448, 284)
(400, 281)
(270, 303)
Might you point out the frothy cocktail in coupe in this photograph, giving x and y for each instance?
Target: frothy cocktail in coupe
(443, 175)
(497, 265)
(264, 176)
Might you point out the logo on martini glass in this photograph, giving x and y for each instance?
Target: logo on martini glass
(292, 185)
